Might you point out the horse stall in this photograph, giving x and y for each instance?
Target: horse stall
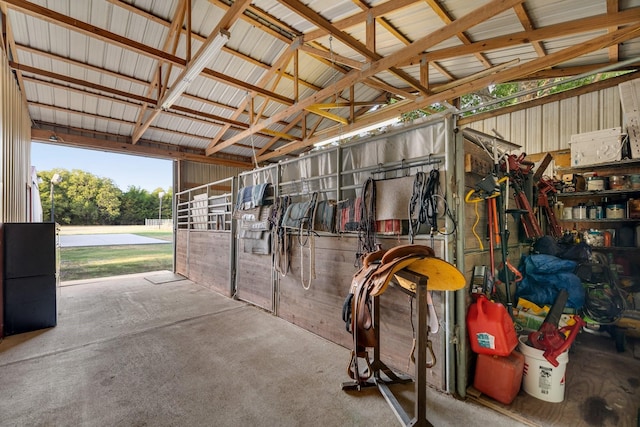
(320, 202)
(254, 281)
(205, 235)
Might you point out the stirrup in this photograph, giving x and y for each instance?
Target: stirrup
(431, 355)
(352, 369)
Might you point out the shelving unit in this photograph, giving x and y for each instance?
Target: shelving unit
(623, 248)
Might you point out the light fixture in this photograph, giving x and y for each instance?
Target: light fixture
(53, 138)
(160, 196)
(386, 123)
(55, 180)
(211, 47)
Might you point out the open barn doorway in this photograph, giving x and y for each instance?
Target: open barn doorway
(114, 212)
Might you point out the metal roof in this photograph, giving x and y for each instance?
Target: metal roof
(292, 72)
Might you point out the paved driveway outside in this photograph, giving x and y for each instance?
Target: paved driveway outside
(78, 240)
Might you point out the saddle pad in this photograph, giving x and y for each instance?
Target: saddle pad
(252, 196)
(299, 215)
(325, 216)
(349, 215)
(260, 246)
(442, 276)
(393, 197)
(392, 227)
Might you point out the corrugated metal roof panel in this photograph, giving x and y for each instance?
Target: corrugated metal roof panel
(254, 44)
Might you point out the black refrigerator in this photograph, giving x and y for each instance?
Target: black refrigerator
(29, 282)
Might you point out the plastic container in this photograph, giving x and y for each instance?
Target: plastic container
(596, 183)
(540, 378)
(617, 182)
(634, 181)
(615, 211)
(595, 212)
(499, 377)
(491, 330)
(579, 212)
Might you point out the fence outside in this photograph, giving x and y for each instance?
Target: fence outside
(159, 223)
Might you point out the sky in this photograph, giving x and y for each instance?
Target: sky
(124, 170)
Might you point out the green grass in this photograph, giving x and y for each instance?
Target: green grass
(106, 261)
(80, 263)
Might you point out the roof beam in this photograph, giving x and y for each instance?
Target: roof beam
(359, 18)
(563, 29)
(486, 11)
(513, 73)
(229, 18)
(527, 24)
(69, 139)
(614, 51)
(200, 38)
(462, 36)
(214, 120)
(317, 19)
(128, 44)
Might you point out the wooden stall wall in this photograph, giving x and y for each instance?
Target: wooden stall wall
(254, 281)
(319, 308)
(338, 173)
(204, 257)
(181, 264)
(209, 260)
(204, 246)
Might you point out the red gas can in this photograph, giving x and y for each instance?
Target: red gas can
(499, 377)
(491, 330)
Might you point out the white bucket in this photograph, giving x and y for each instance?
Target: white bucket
(541, 379)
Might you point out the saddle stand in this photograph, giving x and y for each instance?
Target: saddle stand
(378, 368)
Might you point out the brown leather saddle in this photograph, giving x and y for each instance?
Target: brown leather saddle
(378, 269)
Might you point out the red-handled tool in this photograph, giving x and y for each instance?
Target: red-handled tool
(549, 337)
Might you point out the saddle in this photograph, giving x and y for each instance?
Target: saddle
(373, 278)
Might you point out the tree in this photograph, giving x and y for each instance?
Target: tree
(136, 205)
(81, 198)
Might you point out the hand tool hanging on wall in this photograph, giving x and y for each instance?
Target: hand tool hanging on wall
(517, 168)
(487, 190)
(545, 189)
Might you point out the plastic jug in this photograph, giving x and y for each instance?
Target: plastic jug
(491, 329)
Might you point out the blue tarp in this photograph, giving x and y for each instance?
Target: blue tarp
(543, 278)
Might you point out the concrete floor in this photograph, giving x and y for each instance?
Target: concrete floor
(130, 352)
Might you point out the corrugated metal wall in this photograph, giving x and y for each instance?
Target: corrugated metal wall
(15, 157)
(549, 127)
(192, 174)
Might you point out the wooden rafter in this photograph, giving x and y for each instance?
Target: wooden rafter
(568, 28)
(167, 152)
(464, 38)
(347, 39)
(225, 23)
(490, 9)
(614, 50)
(527, 24)
(597, 43)
(156, 82)
(281, 106)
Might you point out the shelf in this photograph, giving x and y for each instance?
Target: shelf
(599, 193)
(626, 162)
(603, 220)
